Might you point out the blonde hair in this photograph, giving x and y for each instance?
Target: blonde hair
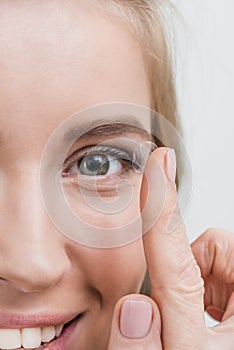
(147, 21)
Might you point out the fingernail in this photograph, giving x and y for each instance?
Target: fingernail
(135, 318)
(170, 165)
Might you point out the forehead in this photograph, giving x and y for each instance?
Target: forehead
(58, 57)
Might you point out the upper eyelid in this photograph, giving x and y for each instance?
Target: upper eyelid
(68, 160)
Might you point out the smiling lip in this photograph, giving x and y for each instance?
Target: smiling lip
(14, 321)
(62, 342)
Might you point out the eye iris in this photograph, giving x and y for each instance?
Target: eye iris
(94, 165)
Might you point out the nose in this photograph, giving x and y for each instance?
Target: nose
(33, 256)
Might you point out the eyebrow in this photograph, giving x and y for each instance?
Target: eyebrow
(108, 127)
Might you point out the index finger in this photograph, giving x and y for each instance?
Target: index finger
(176, 282)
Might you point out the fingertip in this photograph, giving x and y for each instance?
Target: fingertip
(135, 318)
(135, 314)
(160, 153)
(215, 312)
(136, 324)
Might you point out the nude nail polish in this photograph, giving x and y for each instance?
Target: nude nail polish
(135, 318)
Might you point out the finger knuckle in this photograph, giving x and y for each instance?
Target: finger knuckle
(187, 280)
(215, 233)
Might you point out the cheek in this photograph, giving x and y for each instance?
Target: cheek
(114, 272)
(105, 209)
(113, 225)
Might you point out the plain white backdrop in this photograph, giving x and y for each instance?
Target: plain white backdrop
(205, 79)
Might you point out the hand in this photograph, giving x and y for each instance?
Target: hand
(214, 253)
(173, 318)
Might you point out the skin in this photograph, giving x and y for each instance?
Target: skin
(178, 297)
(55, 75)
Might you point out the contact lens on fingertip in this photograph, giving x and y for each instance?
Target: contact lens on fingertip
(141, 154)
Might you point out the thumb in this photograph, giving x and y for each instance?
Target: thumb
(135, 324)
(222, 335)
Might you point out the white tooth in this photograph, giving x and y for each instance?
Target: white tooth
(58, 330)
(47, 333)
(31, 337)
(10, 338)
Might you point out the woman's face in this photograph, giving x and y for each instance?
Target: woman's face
(58, 57)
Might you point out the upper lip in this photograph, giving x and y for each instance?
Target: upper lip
(14, 321)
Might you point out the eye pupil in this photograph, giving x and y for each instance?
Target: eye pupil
(94, 165)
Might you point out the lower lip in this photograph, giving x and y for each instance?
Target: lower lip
(61, 342)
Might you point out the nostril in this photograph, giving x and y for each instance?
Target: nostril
(38, 287)
(35, 264)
